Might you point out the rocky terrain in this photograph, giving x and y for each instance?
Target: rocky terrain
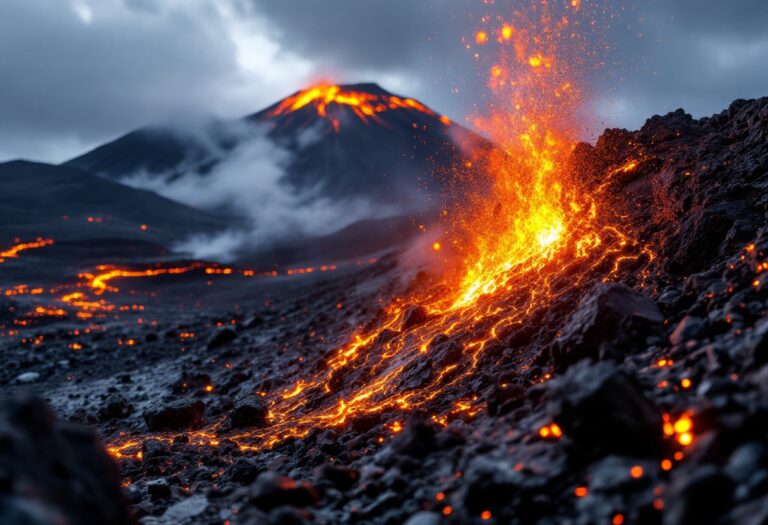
(638, 400)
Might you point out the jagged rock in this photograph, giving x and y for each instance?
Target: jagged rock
(746, 461)
(611, 321)
(158, 488)
(424, 518)
(27, 377)
(602, 410)
(505, 398)
(221, 337)
(55, 472)
(689, 327)
(271, 490)
(175, 415)
(248, 412)
(153, 449)
(755, 345)
(341, 477)
(115, 407)
(414, 316)
(243, 470)
(416, 440)
(698, 497)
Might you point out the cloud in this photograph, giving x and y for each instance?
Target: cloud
(76, 73)
(250, 183)
(108, 66)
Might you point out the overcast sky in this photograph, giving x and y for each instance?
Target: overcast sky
(75, 73)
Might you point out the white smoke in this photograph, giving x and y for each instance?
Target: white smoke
(249, 182)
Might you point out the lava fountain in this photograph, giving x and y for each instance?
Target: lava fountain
(528, 234)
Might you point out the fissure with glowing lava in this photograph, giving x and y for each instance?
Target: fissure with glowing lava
(528, 233)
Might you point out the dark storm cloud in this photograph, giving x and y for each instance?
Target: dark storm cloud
(72, 73)
(77, 72)
(695, 54)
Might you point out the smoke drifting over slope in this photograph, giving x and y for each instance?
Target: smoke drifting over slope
(249, 183)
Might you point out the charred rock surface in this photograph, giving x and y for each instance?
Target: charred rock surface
(53, 472)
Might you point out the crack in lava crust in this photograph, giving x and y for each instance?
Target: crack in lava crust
(528, 235)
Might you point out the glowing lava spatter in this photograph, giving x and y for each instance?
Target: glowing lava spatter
(528, 235)
(16, 249)
(367, 106)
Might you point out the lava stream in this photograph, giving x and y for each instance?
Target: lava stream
(16, 249)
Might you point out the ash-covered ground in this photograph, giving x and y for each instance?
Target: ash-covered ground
(639, 400)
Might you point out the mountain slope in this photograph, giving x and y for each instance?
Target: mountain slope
(343, 142)
(57, 201)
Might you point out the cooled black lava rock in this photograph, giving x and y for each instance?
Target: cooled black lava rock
(158, 488)
(243, 470)
(424, 518)
(602, 410)
(221, 337)
(414, 316)
(611, 321)
(416, 440)
(698, 497)
(505, 398)
(755, 345)
(115, 407)
(341, 477)
(175, 415)
(271, 490)
(248, 412)
(153, 449)
(689, 327)
(54, 472)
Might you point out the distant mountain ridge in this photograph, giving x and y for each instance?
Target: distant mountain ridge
(70, 204)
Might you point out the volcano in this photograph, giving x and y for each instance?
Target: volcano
(354, 141)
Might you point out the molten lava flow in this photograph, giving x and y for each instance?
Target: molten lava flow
(16, 249)
(528, 235)
(365, 105)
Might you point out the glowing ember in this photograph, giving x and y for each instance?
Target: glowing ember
(551, 431)
(680, 429)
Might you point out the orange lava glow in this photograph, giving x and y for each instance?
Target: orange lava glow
(16, 249)
(527, 235)
(680, 429)
(366, 106)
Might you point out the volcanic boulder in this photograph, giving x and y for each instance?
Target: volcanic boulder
(602, 410)
(414, 316)
(698, 497)
(221, 337)
(176, 415)
(53, 472)
(115, 406)
(417, 440)
(609, 322)
(248, 412)
(271, 490)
